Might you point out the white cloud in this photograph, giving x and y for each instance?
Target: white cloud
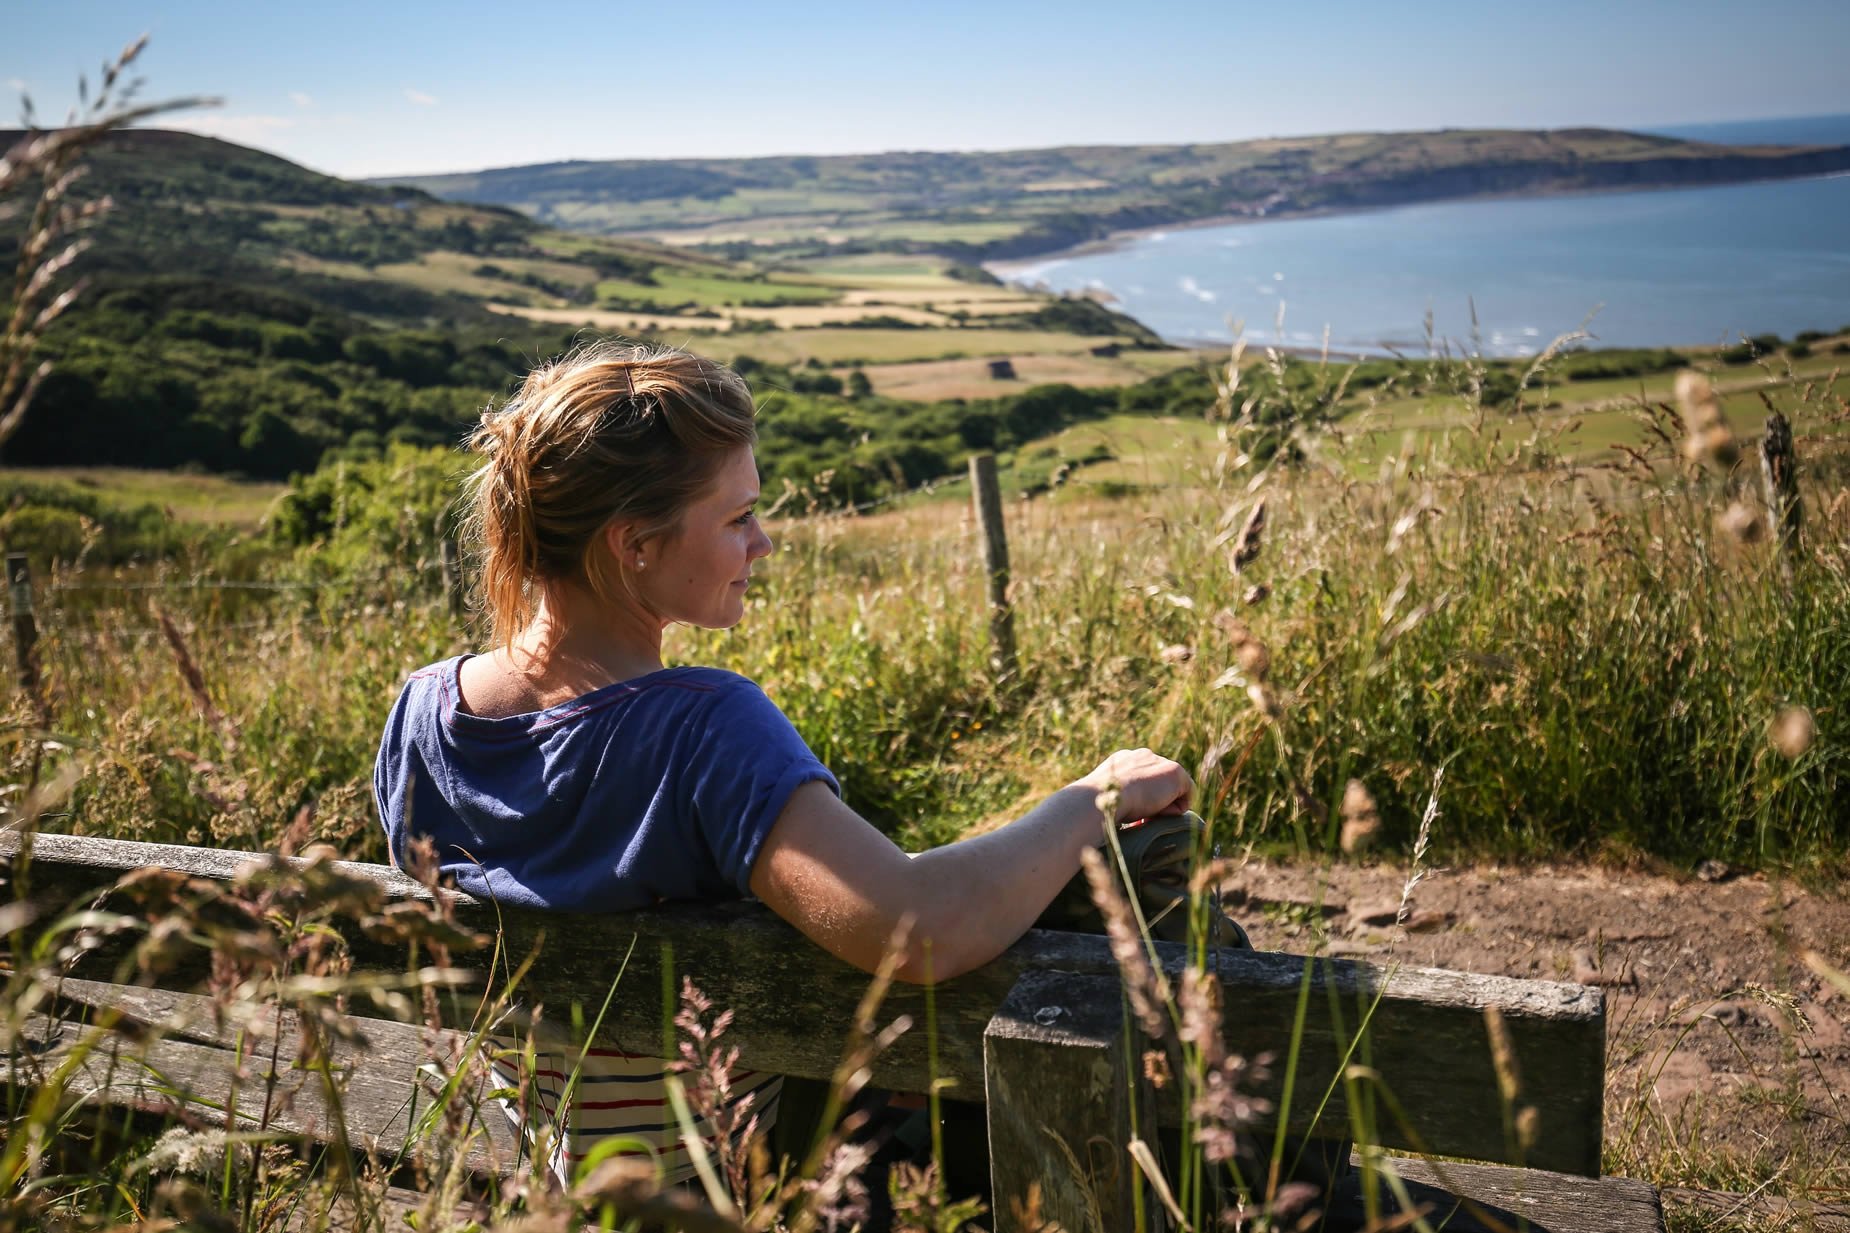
(419, 97)
(300, 99)
(243, 129)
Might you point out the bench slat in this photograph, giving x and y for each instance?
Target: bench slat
(1463, 1198)
(190, 1068)
(793, 1004)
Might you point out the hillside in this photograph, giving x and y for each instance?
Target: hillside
(981, 206)
(244, 314)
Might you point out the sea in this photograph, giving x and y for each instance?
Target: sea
(1502, 277)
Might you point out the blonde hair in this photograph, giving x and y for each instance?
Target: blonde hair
(603, 433)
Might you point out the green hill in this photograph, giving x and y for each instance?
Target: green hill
(1021, 202)
(244, 314)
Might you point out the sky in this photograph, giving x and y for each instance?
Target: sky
(388, 87)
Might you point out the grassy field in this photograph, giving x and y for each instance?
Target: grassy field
(713, 292)
(1603, 670)
(190, 498)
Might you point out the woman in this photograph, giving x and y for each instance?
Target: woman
(566, 768)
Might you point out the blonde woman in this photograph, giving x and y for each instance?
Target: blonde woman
(567, 768)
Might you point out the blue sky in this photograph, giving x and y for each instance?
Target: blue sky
(384, 87)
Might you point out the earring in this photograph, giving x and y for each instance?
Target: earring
(641, 564)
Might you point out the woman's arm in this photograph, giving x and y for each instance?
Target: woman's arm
(847, 886)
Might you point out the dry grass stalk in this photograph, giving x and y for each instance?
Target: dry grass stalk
(1247, 544)
(1708, 440)
(194, 678)
(1415, 869)
(1147, 988)
(45, 253)
(1221, 1110)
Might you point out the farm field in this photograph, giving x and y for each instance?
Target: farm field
(212, 499)
(886, 346)
(926, 380)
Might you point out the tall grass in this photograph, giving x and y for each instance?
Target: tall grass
(1597, 653)
(1607, 661)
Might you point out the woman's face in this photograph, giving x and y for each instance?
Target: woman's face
(696, 573)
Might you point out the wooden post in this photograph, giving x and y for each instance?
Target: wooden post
(452, 576)
(1779, 478)
(25, 627)
(1058, 1080)
(987, 494)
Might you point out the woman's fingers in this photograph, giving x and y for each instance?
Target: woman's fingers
(1147, 783)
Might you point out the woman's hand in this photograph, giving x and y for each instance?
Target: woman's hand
(1147, 783)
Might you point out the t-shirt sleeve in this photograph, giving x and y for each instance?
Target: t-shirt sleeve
(749, 761)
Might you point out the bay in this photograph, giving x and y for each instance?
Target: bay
(1657, 268)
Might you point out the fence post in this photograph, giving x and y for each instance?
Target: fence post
(987, 494)
(452, 576)
(1065, 1096)
(1779, 477)
(25, 627)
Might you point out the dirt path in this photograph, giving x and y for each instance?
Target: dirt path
(1728, 1059)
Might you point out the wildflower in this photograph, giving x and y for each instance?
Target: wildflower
(1792, 732)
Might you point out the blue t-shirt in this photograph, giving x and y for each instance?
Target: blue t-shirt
(650, 790)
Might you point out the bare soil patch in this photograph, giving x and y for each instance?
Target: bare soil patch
(1728, 1060)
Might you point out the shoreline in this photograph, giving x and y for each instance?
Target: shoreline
(1118, 240)
(1012, 270)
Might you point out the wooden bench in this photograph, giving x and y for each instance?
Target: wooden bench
(1037, 1035)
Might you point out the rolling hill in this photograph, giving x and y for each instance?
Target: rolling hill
(981, 206)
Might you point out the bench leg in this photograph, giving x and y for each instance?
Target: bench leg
(1059, 1080)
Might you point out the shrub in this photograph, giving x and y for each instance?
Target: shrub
(44, 533)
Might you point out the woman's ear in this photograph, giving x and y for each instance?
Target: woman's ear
(620, 540)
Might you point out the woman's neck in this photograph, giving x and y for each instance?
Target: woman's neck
(578, 643)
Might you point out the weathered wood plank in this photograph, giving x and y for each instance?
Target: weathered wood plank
(1460, 1198)
(382, 1094)
(1058, 1082)
(793, 1003)
(1772, 1211)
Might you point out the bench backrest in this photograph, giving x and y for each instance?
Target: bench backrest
(1426, 1036)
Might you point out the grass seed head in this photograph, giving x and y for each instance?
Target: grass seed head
(1361, 820)
(1709, 441)
(1742, 523)
(1792, 732)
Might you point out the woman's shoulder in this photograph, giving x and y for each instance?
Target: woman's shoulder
(723, 686)
(434, 682)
